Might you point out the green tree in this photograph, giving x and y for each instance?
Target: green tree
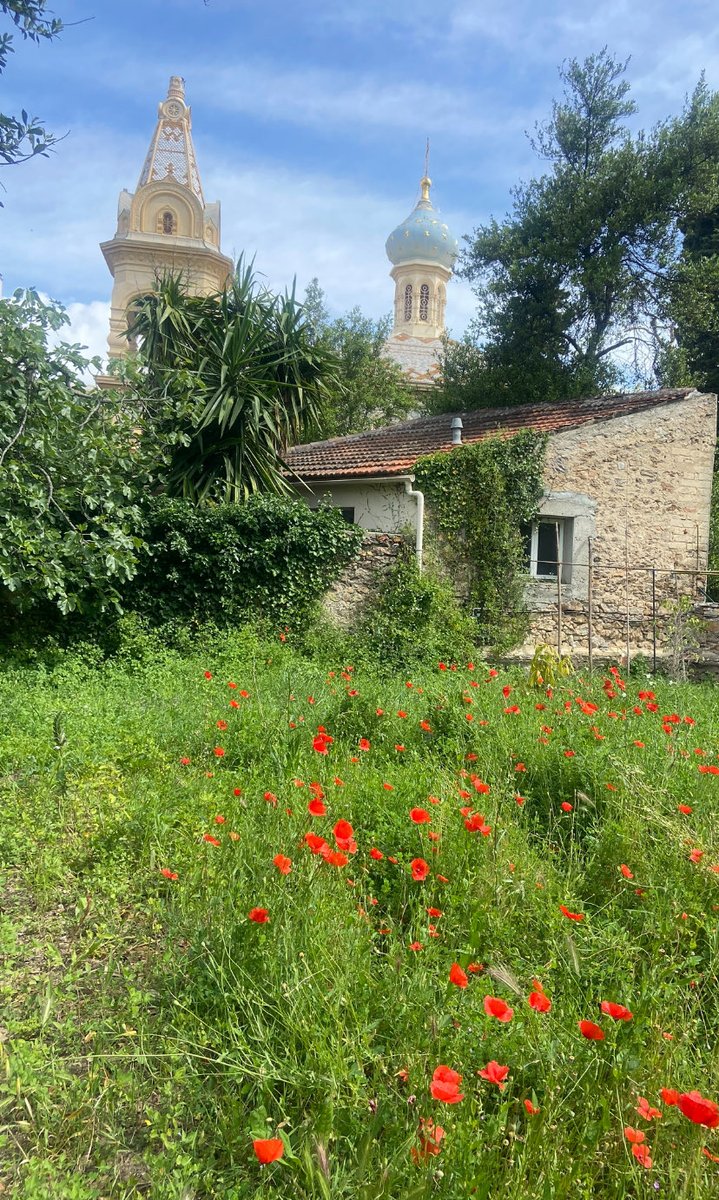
(231, 380)
(70, 469)
(370, 390)
(23, 137)
(579, 270)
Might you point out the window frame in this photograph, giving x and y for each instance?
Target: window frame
(564, 527)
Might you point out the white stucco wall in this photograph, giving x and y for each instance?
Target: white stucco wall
(379, 507)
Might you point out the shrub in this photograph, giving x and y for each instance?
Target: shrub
(269, 558)
(417, 618)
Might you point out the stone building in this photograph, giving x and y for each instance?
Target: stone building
(623, 524)
(166, 224)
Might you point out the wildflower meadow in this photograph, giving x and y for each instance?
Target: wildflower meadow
(279, 924)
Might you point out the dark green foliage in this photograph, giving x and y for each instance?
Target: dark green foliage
(233, 380)
(478, 497)
(369, 391)
(416, 619)
(23, 137)
(581, 266)
(69, 518)
(229, 564)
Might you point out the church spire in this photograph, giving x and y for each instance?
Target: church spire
(172, 155)
(166, 225)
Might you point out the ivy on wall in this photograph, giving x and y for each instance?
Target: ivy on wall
(478, 497)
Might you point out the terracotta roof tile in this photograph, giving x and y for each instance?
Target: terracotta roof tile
(395, 449)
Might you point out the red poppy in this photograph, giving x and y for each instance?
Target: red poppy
(495, 1007)
(317, 808)
(426, 726)
(670, 1096)
(643, 1156)
(530, 1108)
(538, 1001)
(334, 857)
(283, 863)
(376, 854)
(208, 674)
(708, 770)
(445, 1085)
(625, 871)
(634, 1135)
(495, 1073)
(646, 1110)
(363, 744)
(698, 1109)
(430, 1136)
(513, 709)
(270, 797)
(474, 968)
(420, 816)
(388, 787)
(243, 693)
(434, 912)
(685, 808)
(696, 855)
(616, 1011)
(259, 915)
(207, 837)
(566, 806)
(572, 916)
(185, 762)
(320, 743)
(708, 1154)
(416, 946)
(219, 752)
(457, 976)
(168, 873)
(591, 1031)
(268, 1150)
(420, 869)
(315, 842)
(442, 878)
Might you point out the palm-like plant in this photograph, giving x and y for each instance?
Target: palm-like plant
(234, 378)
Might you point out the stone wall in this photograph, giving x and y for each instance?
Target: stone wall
(363, 577)
(649, 478)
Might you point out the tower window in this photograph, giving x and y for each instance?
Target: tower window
(424, 302)
(168, 223)
(408, 302)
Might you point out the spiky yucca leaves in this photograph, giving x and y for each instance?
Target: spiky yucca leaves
(235, 378)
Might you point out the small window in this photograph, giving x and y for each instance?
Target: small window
(548, 548)
(408, 302)
(168, 223)
(424, 302)
(348, 514)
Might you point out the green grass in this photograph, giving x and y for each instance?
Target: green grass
(149, 1031)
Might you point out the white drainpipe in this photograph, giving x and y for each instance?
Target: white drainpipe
(419, 527)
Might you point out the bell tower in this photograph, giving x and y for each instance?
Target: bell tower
(165, 225)
(422, 251)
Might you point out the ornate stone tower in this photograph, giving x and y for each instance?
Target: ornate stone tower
(166, 224)
(422, 251)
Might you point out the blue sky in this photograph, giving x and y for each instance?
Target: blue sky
(309, 121)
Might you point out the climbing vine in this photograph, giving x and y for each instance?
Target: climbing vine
(478, 497)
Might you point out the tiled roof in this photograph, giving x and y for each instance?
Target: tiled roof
(395, 449)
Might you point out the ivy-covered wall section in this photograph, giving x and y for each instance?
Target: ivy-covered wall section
(478, 497)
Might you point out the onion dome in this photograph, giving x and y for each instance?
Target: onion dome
(423, 237)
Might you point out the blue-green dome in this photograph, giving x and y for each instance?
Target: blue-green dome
(423, 236)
